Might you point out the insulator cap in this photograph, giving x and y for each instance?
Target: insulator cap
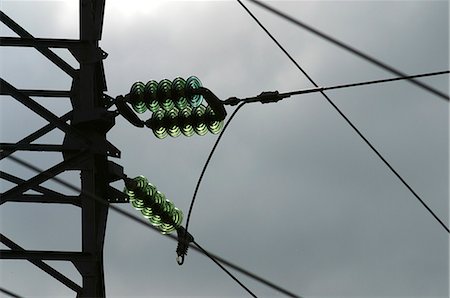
(199, 123)
(172, 125)
(156, 123)
(164, 94)
(178, 93)
(214, 126)
(137, 97)
(194, 99)
(150, 96)
(185, 120)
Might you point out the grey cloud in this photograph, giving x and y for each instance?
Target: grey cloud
(291, 193)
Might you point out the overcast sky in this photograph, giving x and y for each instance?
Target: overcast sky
(292, 193)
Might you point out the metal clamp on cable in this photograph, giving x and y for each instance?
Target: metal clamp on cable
(184, 238)
(127, 112)
(232, 101)
(269, 96)
(213, 101)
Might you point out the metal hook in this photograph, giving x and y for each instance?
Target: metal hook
(184, 238)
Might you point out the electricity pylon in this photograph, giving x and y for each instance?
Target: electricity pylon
(85, 148)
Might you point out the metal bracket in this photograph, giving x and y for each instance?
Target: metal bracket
(126, 111)
(115, 172)
(213, 101)
(86, 53)
(116, 196)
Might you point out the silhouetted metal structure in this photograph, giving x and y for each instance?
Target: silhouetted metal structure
(85, 148)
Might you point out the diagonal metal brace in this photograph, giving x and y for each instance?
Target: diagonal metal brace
(43, 266)
(40, 42)
(42, 177)
(63, 65)
(40, 110)
(36, 135)
(56, 197)
(71, 256)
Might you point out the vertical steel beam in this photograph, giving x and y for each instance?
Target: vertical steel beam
(92, 240)
(87, 113)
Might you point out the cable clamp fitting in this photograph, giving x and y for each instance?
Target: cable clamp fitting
(184, 238)
(269, 96)
(213, 101)
(124, 110)
(232, 101)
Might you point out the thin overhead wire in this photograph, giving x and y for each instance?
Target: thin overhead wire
(344, 116)
(234, 100)
(207, 163)
(9, 293)
(266, 282)
(140, 221)
(224, 269)
(429, 74)
(344, 46)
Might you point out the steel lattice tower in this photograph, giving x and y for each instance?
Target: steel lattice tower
(85, 148)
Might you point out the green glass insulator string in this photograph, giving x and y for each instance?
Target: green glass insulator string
(154, 205)
(187, 121)
(176, 110)
(137, 97)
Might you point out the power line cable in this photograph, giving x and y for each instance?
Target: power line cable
(386, 80)
(207, 163)
(224, 269)
(9, 293)
(279, 96)
(140, 221)
(255, 277)
(344, 46)
(345, 117)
